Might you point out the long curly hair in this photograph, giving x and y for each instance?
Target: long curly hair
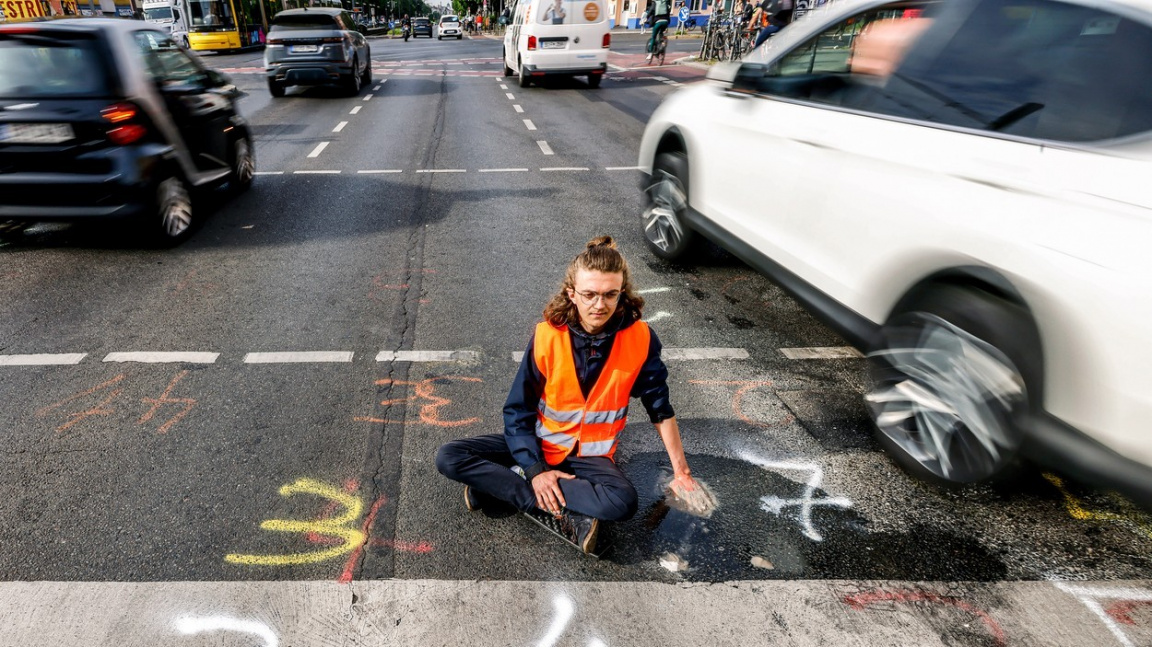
(599, 255)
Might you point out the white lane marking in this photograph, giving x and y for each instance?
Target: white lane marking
(355, 110)
(658, 316)
(827, 352)
(372, 171)
(442, 170)
(564, 168)
(368, 97)
(518, 356)
(564, 612)
(163, 358)
(510, 96)
(704, 353)
(340, 126)
(316, 172)
(189, 626)
(298, 357)
(503, 170)
(1091, 596)
(42, 359)
(545, 148)
(621, 168)
(659, 78)
(517, 108)
(503, 87)
(427, 356)
(529, 125)
(319, 149)
(617, 68)
(655, 290)
(377, 88)
(773, 504)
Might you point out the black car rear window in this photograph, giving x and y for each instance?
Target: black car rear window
(41, 66)
(422, 21)
(305, 21)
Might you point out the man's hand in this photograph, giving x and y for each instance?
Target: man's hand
(683, 484)
(546, 484)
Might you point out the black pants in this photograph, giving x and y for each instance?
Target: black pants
(599, 490)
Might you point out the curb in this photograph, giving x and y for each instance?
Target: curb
(690, 61)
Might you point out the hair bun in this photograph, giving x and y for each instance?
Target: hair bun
(602, 241)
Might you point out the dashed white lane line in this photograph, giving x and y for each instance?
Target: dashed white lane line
(511, 97)
(319, 149)
(503, 87)
(304, 357)
(340, 126)
(42, 359)
(377, 88)
(621, 168)
(375, 171)
(658, 317)
(529, 125)
(355, 110)
(517, 108)
(325, 172)
(269, 173)
(548, 169)
(545, 148)
(655, 290)
(163, 358)
(442, 170)
(368, 97)
(826, 352)
(427, 356)
(704, 353)
(503, 170)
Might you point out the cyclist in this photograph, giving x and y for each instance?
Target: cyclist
(661, 13)
(765, 18)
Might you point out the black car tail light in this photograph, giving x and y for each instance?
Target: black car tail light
(336, 39)
(121, 116)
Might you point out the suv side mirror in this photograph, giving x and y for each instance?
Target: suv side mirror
(749, 77)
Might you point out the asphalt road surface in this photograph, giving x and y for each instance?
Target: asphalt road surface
(239, 450)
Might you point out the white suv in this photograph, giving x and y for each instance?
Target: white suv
(959, 188)
(449, 27)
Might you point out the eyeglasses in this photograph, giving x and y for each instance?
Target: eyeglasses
(610, 298)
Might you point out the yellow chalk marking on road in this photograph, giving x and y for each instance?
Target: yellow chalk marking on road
(1077, 511)
(337, 526)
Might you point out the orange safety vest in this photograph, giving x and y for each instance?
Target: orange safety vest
(564, 419)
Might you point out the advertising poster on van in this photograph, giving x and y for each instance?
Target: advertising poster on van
(568, 12)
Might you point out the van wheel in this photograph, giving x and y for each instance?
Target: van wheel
(504, 62)
(594, 80)
(665, 229)
(525, 80)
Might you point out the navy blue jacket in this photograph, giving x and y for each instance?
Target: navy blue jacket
(590, 353)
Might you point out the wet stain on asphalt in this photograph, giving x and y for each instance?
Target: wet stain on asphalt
(740, 322)
(722, 547)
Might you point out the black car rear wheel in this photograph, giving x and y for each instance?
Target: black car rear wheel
(275, 88)
(367, 78)
(353, 81)
(173, 218)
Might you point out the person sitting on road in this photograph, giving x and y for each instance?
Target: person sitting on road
(569, 403)
(661, 14)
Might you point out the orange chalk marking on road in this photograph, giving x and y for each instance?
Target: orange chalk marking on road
(165, 399)
(1122, 611)
(424, 389)
(861, 601)
(350, 565)
(98, 410)
(738, 399)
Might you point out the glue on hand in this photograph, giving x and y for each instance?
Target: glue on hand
(690, 495)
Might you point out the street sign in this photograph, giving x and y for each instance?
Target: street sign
(683, 16)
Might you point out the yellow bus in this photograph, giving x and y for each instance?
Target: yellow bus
(219, 26)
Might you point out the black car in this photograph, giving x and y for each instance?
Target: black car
(421, 27)
(317, 46)
(111, 120)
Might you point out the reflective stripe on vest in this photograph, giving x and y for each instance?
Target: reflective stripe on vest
(565, 419)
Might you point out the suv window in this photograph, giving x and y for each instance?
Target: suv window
(305, 21)
(34, 66)
(1033, 68)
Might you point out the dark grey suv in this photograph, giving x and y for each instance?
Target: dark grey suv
(316, 46)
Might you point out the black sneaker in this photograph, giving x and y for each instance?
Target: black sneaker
(471, 499)
(577, 529)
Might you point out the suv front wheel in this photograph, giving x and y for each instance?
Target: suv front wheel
(665, 228)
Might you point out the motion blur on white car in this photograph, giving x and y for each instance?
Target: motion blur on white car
(960, 190)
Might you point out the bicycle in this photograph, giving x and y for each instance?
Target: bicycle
(660, 49)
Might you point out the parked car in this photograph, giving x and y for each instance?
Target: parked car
(958, 188)
(421, 27)
(449, 26)
(316, 46)
(110, 120)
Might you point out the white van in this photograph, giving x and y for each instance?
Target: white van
(557, 37)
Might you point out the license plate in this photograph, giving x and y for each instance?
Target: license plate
(305, 49)
(553, 44)
(35, 133)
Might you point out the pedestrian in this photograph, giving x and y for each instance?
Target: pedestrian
(569, 403)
